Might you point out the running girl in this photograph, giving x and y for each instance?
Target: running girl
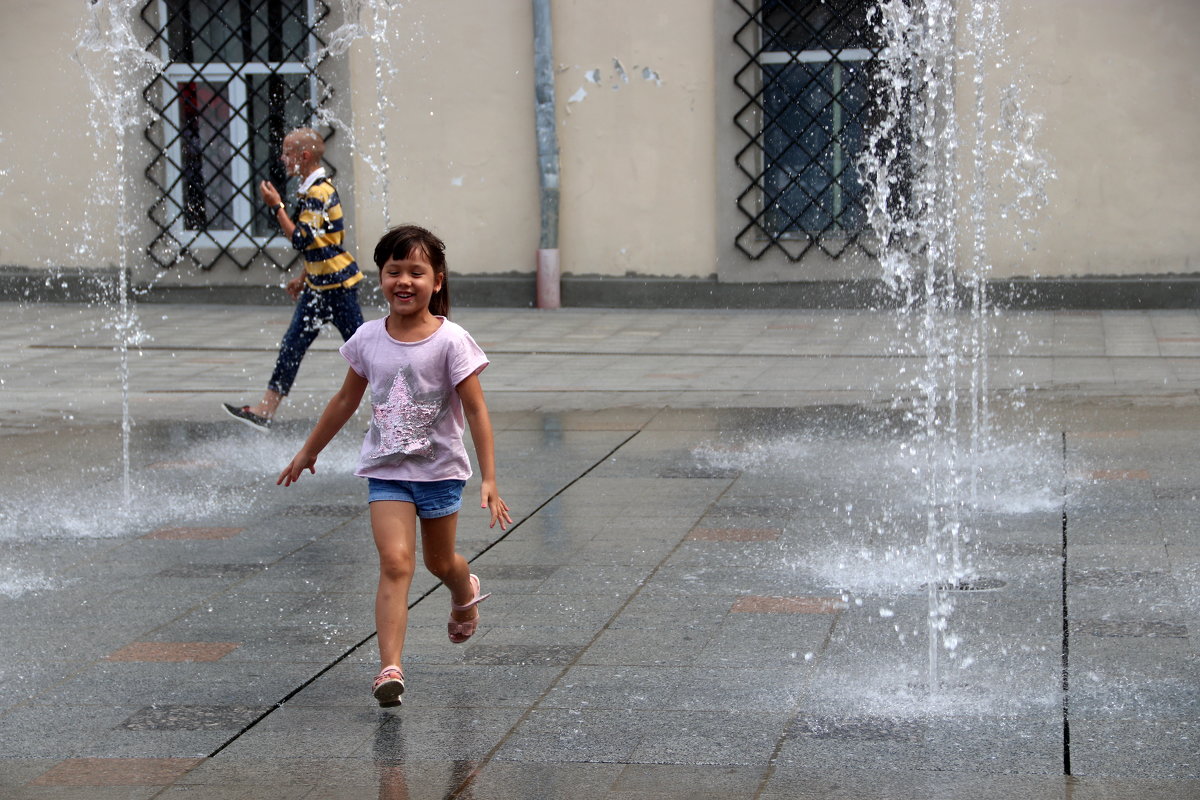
(423, 373)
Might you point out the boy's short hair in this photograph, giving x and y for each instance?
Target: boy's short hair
(309, 140)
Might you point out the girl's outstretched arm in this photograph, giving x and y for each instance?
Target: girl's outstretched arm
(340, 409)
(471, 394)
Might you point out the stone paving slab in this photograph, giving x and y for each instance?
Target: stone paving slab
(713, 589)
(191, 357)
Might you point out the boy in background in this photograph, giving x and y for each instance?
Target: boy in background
(326, 290)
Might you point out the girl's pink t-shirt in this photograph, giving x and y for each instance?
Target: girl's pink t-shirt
(417, 422)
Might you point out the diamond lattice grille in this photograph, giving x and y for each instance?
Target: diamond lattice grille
(239, 75)
(808, 108)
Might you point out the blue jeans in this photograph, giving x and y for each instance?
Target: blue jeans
(313, 309)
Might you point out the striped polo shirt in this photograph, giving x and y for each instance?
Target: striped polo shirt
(320, 229)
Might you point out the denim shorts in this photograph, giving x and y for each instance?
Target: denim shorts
(432, 498)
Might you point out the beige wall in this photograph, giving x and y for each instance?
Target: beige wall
(647, 183)
(635, 140)
(62, 169)
(48, 151)
(1118, 82)
(637, 144)
(461, 155)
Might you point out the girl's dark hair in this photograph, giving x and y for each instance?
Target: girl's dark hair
(401, 241)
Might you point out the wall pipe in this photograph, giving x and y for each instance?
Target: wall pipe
(548, 269)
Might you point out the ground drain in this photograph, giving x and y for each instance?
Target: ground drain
(877, 729)
(191, 718)
(970, 585)
(699, 472)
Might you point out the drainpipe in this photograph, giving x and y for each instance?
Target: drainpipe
(548, 271)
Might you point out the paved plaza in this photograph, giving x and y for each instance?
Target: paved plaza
(713, 588)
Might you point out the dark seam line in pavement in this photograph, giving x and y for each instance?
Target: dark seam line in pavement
(554, 497)
(783, 739)
(483, 762)
(202, 602)
(198, 604)
(411, 605)
(1066, 629)
(290, 695)
(271, 709)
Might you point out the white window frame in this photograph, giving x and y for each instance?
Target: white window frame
(243, 209)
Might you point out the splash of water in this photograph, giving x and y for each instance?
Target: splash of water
(851, 526)
(912, 208)
(115, 62)
(222, 475)
(15, 582)
(913, 169)
(369, 19)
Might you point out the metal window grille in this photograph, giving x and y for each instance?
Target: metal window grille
(809, 106)
(239, 75)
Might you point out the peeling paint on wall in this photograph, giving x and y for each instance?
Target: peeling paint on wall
(595, 76)
(620, 71)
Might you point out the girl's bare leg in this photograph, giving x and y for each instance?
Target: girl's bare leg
(394, 525)
(437, 543)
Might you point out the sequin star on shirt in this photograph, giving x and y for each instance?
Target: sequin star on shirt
(403, 420)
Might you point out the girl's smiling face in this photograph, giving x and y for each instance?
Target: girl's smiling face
(408, 283)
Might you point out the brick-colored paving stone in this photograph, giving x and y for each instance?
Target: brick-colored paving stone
(174, 651)
(788, 605)
(734, 534)
(116, 772)
(1120, 475)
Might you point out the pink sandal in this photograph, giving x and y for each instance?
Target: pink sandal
(389, 685)
(461, 631)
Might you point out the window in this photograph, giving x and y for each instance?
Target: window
(808, 104)
(239, 75)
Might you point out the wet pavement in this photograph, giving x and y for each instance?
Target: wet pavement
(713, 589)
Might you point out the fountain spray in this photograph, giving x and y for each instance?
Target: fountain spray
(912, 168)
(115, 63)
(354, 13)
(909, 169)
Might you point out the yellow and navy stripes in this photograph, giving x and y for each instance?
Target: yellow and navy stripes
(320, 229)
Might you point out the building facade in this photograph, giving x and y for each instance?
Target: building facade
(708, 149)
